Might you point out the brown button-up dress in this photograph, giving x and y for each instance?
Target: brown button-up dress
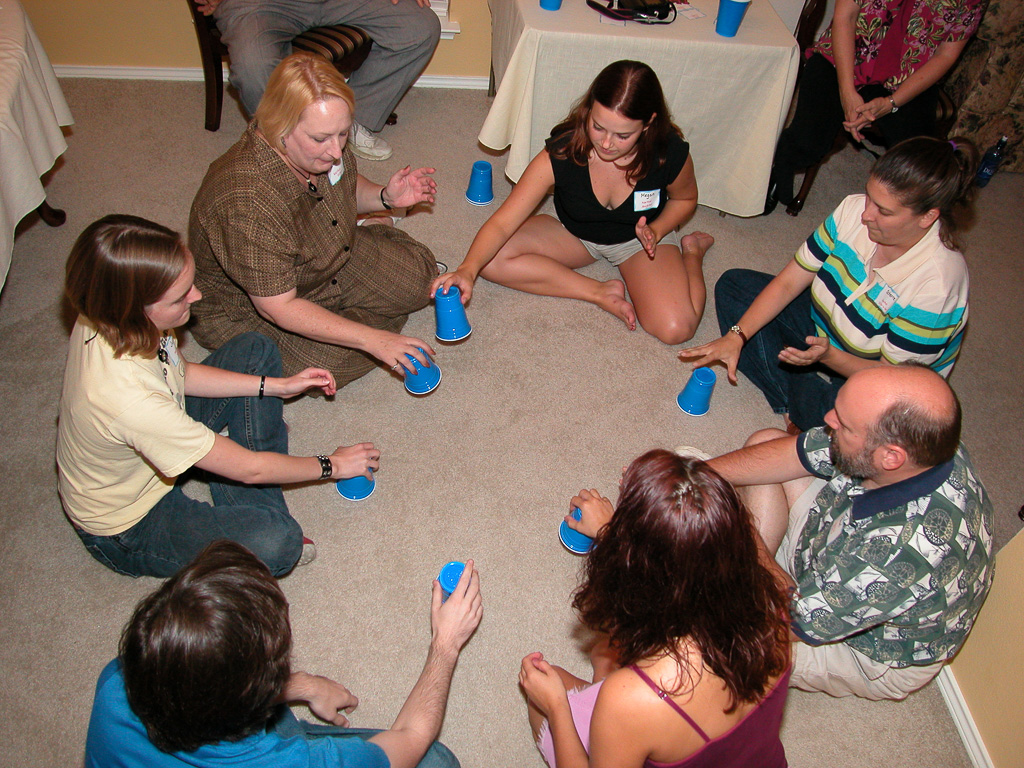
(256, 231)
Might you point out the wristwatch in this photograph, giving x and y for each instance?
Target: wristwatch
(739, 332)
(895, 109)
(326, 468)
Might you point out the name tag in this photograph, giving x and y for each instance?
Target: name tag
(337, 171)
(646, 200)
(886, 298)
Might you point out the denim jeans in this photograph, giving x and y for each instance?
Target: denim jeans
(287, 725)
(800, 391)
(177, 528)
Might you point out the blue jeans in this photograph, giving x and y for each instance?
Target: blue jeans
(800, 391)
(177, 528)
(287, 725)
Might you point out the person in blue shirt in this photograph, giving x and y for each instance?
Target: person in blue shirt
(203, 678)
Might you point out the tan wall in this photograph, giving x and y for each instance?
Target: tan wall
(989, 669)
(158, 33)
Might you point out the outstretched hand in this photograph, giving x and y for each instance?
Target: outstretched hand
(460, 279)
(408, 187)
(392, 348)
(817, 349)
(453, 621)
(326, 698)
(648, 240)
(354, 460)
(725, 350)
(595, 512)
(310, 378)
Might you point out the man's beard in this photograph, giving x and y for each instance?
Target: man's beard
(859, 466)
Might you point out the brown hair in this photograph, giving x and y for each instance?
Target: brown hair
(632, 89)
(299, 80)
(679, 561)
(929, 438)
(926, 173)
(118, 266)
(206, 656)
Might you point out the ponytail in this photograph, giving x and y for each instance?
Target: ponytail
(926, 173)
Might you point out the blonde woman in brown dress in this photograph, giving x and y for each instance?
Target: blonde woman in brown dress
(277, 249)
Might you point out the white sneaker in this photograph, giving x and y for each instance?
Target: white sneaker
(308, 552)
(367, 145)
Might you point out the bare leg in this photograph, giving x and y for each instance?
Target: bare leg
(668, 290)
(571, 683)
(770, 504)
(541, 257)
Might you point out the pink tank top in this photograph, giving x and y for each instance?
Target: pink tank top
(752, 741)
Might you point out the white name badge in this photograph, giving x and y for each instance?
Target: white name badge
(646, 200)
(337, 171)
(886, 298)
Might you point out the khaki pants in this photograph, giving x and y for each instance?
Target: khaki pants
(835, 668)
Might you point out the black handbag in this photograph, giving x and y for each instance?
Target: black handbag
(640, 11)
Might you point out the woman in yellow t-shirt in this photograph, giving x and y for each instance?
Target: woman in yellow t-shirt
(135, 416)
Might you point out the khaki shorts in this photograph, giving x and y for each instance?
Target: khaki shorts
(620, 252)
(836, 668)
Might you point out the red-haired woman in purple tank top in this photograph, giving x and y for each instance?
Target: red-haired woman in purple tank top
(693, 662)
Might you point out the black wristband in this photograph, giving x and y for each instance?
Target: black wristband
(382, 202)
(263, 383)
(326, 468)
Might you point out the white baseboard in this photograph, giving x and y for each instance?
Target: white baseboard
(957, 707)
(195, 74)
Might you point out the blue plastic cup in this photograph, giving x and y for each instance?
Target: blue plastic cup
(356, 488)
(425, 379)
(452, 323)
(573, 540)
(449, 577)
(480, 191)
(550, 5)
(730, 14)
(695, 399)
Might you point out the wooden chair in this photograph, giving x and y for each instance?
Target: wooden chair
(346, 47)
(810, 20)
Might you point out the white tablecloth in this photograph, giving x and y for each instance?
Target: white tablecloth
(730, 96)
(32, 110)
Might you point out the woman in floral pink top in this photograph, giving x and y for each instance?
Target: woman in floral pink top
(878, 64)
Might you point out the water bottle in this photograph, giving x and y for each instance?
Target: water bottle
(990, 162)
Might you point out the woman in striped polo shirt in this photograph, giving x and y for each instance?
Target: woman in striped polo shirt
(882, 280)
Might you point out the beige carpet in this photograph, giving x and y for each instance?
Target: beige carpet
(546, 397)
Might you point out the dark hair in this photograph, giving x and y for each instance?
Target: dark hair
(929, 438)
(926, 173)
(679, 560)
(632, 89)
(118, 266)
(206, 656)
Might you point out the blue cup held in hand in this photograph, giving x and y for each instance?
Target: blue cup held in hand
(356, 488)
(695, 399)
(730, 14)
(425, 379)
(572, 540)
(480, 191)
(452, 323)
(449, 577)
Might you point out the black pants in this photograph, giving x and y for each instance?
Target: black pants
(819, 117)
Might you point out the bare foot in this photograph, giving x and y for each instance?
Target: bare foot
(612, 298)
(697, 243)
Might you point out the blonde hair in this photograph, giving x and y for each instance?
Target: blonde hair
(298, 81)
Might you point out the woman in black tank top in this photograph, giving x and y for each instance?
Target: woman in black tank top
(623, 183)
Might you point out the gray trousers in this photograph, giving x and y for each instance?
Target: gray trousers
(258, 34)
